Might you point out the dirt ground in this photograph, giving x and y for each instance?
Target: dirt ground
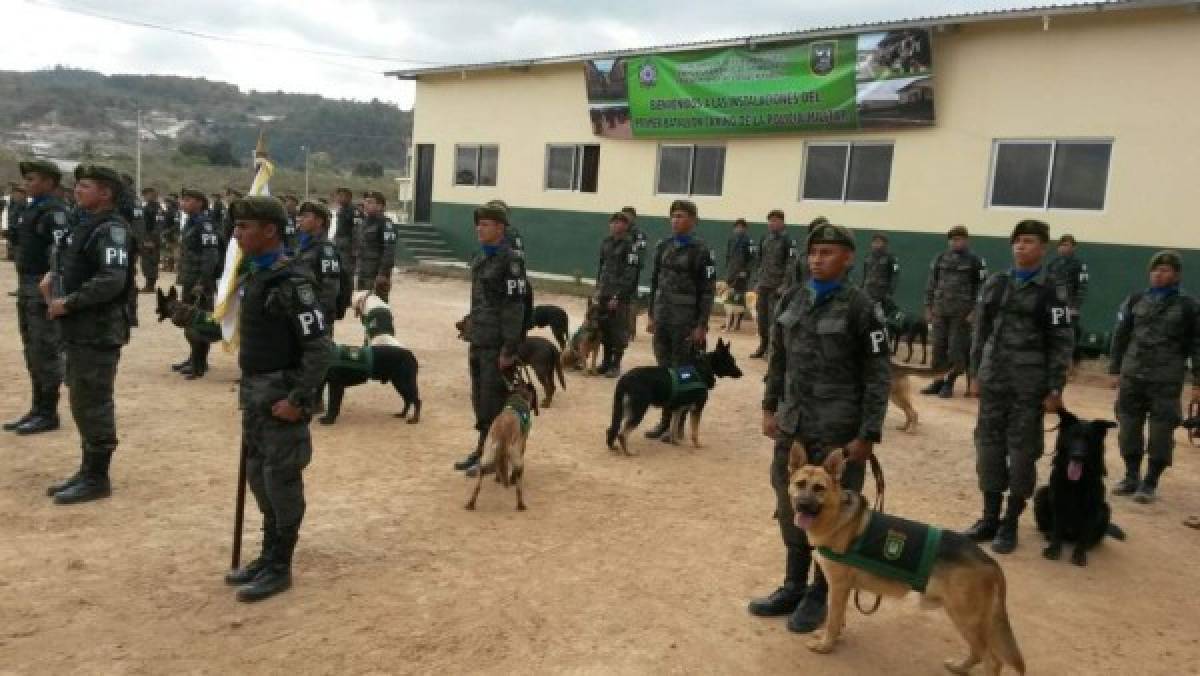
(621, 565)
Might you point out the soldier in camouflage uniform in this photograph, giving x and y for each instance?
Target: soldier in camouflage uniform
(347, 221)
(1073, 273)
(284, 354)
(881, 274)
(18, 200)
(1020, 353)
(152, 214)
(682, 287)
(616, 286)
(776, 252)
(1157, 331)
(200, 257)
(170, 232)
(827, 384)
(377, 248)
(498, 290)
(639, 247)
(86, 294)
(740, 253)
(291, 205)
(41, 226)
(955, 276)
(131, 212)
(318, 255)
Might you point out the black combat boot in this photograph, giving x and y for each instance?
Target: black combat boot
(1132, 480)
(93, 485)
(760, 352)
(661, 428)
(198, 362)
(247, 573)
(947, 390)
(69, 481)
(12, 425)
(810, 614)
(1006, 535)
(180, 366)
(783, 601)
(274, 578)
(472, 458)
(985, 528)
(45, 417)
(934, 387)
(1145, 492)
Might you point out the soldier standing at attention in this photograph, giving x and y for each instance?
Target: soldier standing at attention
(347, 220)
(775, 251)
(1020, 353)
(639, 247)
(881, 274)
(497, 316)
(682, 286)
(955, 276)
(318, 255)
(42, 225)
(1073, 273)
(170, 232)
(18, 200)
(827, 384)
(86, 294)
(291, 206)
(216, 214)
(740, 252)
(1158, 330)
(152, 214)
(616, 285)
(377, 248)
(200, 256)
(284, 354)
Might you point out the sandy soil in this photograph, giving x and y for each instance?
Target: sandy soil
(621, 565)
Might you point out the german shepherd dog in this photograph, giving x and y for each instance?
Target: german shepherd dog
(395, 365)
(907, 328)
(585, 344)
(539, 353)
(645, 386)
(735, 312)
(1071, 506)
(505, 446)
(964, 580)
(555, 318)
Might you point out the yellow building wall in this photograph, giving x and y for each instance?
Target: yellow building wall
(1132, 76)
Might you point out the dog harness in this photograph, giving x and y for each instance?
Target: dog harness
(891, 547)
(685, 380)
(378, 322)
(359, 359)
(521, 409)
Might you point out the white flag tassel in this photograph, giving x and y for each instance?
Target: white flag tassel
(228, 293)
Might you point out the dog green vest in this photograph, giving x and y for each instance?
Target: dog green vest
(895, 548)
(353, 358)
(685, 379)
(524, 415)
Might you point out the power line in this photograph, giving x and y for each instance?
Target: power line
(137, 23)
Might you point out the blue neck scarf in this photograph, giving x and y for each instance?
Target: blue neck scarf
(265, 261)
(823, 290)
(33, 202)
(304, 239)
(683, 240)
(1163, 292)
(1026, 275)
(489, 249)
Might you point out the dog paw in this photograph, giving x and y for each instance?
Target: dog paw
(821, 644)
(413, 421)
(521, 508)
(471, 506)
(956, 667)
(1052, 552)
(1079, 557)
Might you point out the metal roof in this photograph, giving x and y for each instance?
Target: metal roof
(1038, 12)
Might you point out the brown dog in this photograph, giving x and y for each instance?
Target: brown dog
(505, 447)
(946, 567)
(585, 343)
(901, 395)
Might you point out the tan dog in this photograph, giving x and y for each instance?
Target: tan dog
(901, 395)
(954, 572)
(505, 446)
(585, 343)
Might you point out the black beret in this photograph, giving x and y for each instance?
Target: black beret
(775, 213)
(318, 209)
(43, 167)
(258, 208)
(957, 231)
(819, 220)
(686, 206)
(629, 211)
(827, 233)
(95, 172)
(1033, 227)
(377, 196)
(1167, 257)
(491, 213)
(1067, 238)
(194, 194)
(619, 216)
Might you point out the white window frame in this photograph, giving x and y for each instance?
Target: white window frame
(479, 147)
(1053, 143)
(691, 167)
(577, 151)
(849, 146)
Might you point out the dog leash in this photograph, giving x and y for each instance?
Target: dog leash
(880, 486)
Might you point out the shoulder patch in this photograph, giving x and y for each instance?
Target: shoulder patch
(117, 234)
(60, 218)
(305, 293)
(514, 268)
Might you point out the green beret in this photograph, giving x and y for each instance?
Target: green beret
(1067, 238)
(819, 220)
(491, 213)
(43, 167)
(194, 194)
(1167, 257)
(827, 233)
(95, 172)
(619, 216)
(1033, 227)
(497, 204)
(258, 208)
(320, 210)
(377, 196)
(686, 206)
(957, 231)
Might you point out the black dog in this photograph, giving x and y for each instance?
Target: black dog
(1071, 507)
(646, 386)
(908, 328)
(356, 365)
(554, 317)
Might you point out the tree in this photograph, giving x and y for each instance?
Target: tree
(370, 169)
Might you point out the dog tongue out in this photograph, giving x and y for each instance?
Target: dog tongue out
(1074, 470)
(803, 521)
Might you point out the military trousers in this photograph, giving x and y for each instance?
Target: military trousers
(277, 451)
(1141, 403)
(150, 254)
(41, 339)
(764, 313)
(1009, 439)
(951, 341)
(614, 328)
(673, 344)
(91, 373)
(488, 388)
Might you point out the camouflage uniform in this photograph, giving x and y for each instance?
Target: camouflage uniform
(639, 247)
(152, 214)
(954, 281)
(1156, 333)
(880, 277)
(41, 226)
(377, 253)
(15, 207)
(200, 257)
(171, 216)
(319, 257)
(498, 290)
(1072, 273)
(740, 252)
(616, 279)
(345, 236)
(682, 287)
(775, 252)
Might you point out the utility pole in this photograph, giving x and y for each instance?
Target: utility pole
(305, 149)
(137, 180)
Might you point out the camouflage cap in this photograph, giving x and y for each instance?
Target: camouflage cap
(43, 167)
(619, 216)
(258, 208)
(497, 204)
(819, 220)
(491, 213)
(377, 196)
(1169, 257)
(1033, 227)
(686, 206)
(96, 172)
(194, 194)
(827, 233)
(1067, 238)
(317, 208)
(957, 231)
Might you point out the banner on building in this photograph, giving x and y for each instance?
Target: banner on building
(868, 81)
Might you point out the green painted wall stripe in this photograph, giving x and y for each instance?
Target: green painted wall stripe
(568, 243)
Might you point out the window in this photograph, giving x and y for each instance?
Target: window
(572, 167)
(1050, 174)
(847, 172)
(691, 170)
(475, 165)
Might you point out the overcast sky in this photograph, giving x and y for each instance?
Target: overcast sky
(42, 33)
